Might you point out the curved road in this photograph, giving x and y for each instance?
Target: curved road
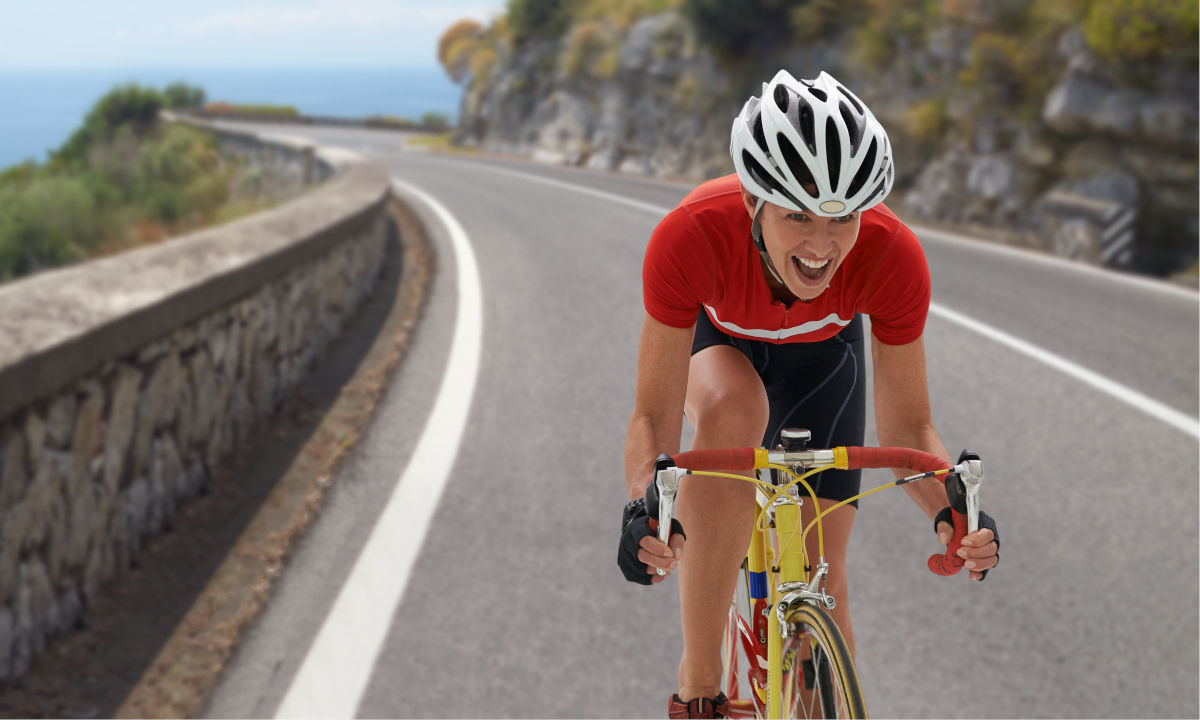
(1078, 387)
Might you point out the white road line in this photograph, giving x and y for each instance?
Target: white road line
(1108, 276)
(1130, 397)
(611, 197)
(336, 670)
(1127, 395)
(921, 231)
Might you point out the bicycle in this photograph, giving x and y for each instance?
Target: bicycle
(797, 662)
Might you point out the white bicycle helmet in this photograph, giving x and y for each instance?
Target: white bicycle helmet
(815, 133)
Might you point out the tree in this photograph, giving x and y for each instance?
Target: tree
(130, 106)
(180, 95)
(456, 46)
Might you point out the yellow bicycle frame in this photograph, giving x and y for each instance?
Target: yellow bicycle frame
(788, 567)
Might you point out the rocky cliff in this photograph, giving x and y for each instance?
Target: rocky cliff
(1081, 160)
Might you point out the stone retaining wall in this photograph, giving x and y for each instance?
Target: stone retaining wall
(124, 382)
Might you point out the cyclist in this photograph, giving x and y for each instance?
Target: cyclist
(754, 288)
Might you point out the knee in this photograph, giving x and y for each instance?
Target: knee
(739, 415)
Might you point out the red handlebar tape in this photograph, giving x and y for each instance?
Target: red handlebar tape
(894, 457)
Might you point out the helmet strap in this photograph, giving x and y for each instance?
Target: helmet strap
(756, 235)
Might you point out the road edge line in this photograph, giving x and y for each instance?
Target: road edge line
(1127, 395)
(339, 664)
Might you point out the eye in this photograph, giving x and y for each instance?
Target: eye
(798, 217)
(846, 219)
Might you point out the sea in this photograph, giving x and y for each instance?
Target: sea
(39, 109)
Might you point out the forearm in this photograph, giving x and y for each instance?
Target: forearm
(929, 494)
(644, 441)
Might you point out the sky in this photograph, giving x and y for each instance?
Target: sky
(226, 33)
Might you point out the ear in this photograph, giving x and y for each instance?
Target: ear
(749, 200)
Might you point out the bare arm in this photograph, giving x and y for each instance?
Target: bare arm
(902, 413)
(657, 420)
(903, 418)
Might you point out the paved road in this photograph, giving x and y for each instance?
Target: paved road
(514, 607)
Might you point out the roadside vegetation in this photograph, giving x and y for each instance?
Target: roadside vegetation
(123, 179)
(1014, 43)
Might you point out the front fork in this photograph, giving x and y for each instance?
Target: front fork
(787, 592)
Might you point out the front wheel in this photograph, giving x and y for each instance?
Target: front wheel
(819, 679)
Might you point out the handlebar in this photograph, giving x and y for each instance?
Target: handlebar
(962, 493)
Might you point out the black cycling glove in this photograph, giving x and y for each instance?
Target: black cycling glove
(985, 521)
(635, 525)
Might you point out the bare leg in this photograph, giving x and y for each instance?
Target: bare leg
(728, 407)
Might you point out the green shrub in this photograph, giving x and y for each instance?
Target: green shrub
(892, 28)
(180, 95)
(1140, 31)
(821, 20)
(49, 222)
(129, 106)
(435, 121)
(926, 120)
(585, 46)
(618, 14)
(537, 19)
(121, 180)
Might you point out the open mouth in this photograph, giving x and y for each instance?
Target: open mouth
(811, 269)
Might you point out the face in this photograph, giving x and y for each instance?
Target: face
(807, 249)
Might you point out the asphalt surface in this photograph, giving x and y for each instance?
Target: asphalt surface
(515, 607)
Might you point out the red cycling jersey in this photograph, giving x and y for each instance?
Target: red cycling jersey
(701, 256)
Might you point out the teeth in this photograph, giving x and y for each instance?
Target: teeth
(814, 264)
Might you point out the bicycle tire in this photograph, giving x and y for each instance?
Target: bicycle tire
(828, 687)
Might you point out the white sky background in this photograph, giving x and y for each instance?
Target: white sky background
(226, 33)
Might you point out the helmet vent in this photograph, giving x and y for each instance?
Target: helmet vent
(864, 170)
(795, 163)
(853, 125)
(818, 94)
(858, 108)
(765, 179)
(781, 98)
(874, 194)
(760, 137)
(808, 127)
(833, 152)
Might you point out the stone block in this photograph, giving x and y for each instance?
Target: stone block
(87, 440)
(82, 526)
(204, 393)
(35, 433)
(137, 507)
(13, 472)
(15, 528)
(60, 421)
(156, 408)
(8, 632)
(119, 429)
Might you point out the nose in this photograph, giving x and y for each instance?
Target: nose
(819, 242)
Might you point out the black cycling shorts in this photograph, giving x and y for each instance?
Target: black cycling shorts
(820, 386)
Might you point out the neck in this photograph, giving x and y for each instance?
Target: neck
(778, 289)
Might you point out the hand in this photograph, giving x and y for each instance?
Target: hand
(980, 550)
(641, 554)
